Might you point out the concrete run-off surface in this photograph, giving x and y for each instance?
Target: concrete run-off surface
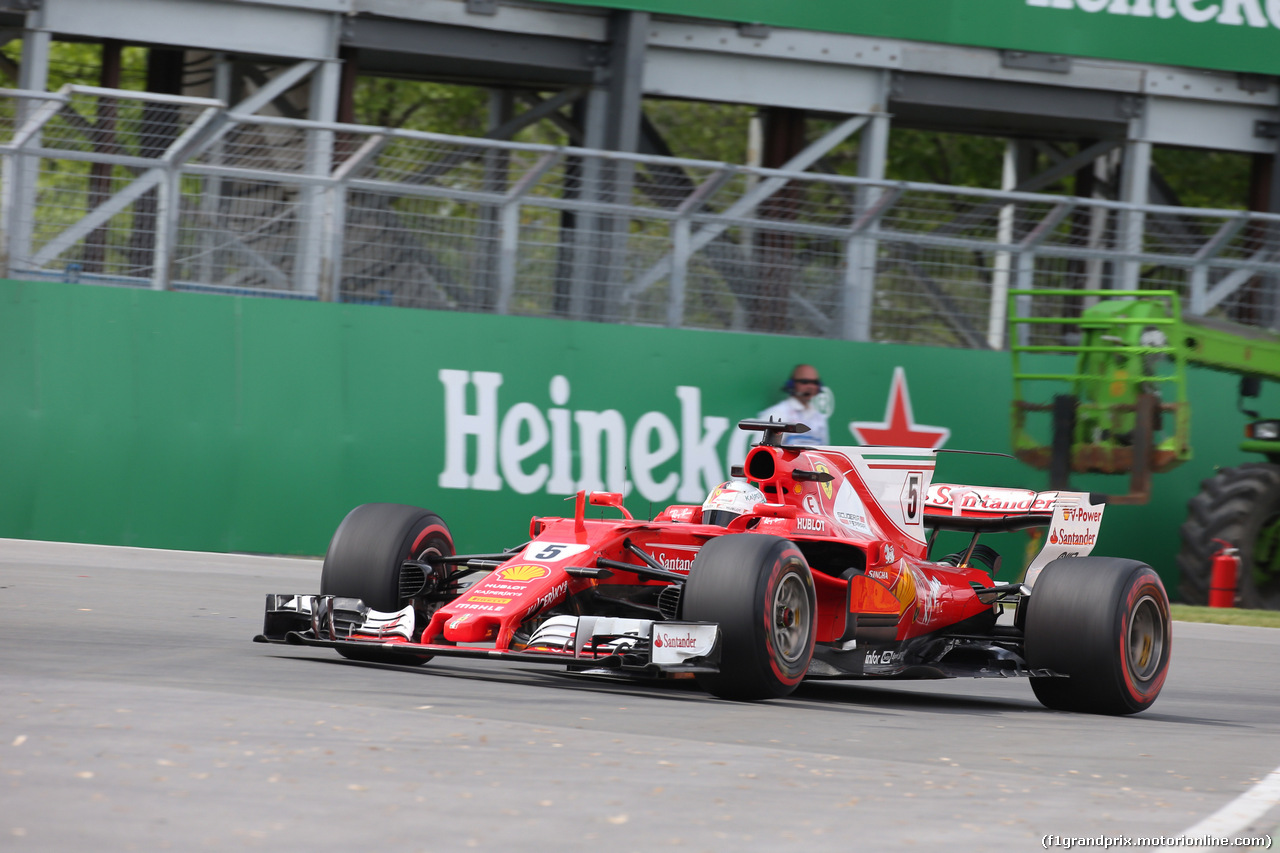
(135, 714)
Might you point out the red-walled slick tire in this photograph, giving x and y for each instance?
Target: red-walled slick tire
(759, 590)
(366, 556)
(1104, 623)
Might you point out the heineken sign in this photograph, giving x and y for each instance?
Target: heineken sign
(1235, 13)
(175, 420)
(531, 447)
(1227, 35)
(675, 450)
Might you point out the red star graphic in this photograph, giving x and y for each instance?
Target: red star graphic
(899, 427)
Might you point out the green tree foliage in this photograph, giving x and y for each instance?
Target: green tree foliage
(78, 63)
(421, 105)
(701, 130)
(1216, 179)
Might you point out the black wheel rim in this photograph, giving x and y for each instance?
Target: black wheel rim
(1146, 639)
(791, 619)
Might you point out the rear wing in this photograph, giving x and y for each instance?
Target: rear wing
(949, 506)
(1073, 518)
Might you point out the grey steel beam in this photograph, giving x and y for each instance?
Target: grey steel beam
(392, 46)
(1235, 280)
(1002, 263)
(628, 36)
(802, 161)
(261, 29)
(509, 229)
(1009, 108)
(945, 86)
(1273, 191)
(585, 236)
(540, 108)
(22, 170)
(861, 251)
(681, 248)
(628, 33)
(729, 78)
(317, 204)
(274, 88)
(1200, 271)
(1135, 183)
(69, 236)
(1217, 125)
(559, 119)
(1064, 166)
(211, 191)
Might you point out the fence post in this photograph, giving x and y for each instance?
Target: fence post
(211, 189)
(863, 251)
(680, 252)
(168, 203)
(1136, 184)
(33, 75)
(316, 201)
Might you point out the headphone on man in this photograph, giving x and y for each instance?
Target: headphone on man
(789, 386)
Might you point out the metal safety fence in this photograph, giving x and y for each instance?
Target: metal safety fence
(144, 190)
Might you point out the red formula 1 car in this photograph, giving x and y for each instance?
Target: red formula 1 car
(820, 570)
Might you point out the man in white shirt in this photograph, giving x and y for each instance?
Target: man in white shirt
(801, 388)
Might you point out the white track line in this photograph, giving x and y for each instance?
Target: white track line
(1235, 816)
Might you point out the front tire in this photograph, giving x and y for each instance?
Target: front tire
(366, 556)
(1103, 623)
(759, 590)
(1241, 506)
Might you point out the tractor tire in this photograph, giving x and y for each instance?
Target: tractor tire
(1240, 506)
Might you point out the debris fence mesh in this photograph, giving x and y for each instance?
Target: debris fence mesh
(143, 190)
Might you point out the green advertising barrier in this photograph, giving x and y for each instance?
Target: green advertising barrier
(1228, 35)
(222, 423)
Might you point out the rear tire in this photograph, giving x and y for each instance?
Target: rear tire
(1104, 623)
(759, 590)
(1241, 506)
(365, 557)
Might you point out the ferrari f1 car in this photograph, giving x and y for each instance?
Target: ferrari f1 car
(813, 563)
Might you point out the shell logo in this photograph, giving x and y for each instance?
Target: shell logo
(524, 574)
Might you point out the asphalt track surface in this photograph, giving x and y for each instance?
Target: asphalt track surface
(136, 714)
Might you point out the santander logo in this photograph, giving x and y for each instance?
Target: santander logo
(675, 641)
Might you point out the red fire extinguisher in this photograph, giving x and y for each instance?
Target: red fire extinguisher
(1226, 572)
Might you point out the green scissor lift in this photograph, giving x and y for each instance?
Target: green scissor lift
(1121, 408)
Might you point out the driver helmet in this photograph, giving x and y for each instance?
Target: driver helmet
(729, 500)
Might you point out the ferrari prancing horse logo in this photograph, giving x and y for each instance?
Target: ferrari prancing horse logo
(826, 487)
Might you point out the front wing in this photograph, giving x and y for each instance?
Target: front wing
(580, 642)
